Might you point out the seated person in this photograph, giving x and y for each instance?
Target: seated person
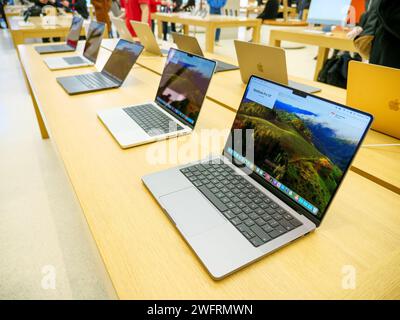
(270, 11)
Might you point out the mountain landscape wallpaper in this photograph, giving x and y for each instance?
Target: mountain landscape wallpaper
(297, 148)
(185, 82)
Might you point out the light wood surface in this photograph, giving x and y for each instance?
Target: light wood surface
(284, 23)
(380, 164)
(210, 23)
(336, 40)
(142, 251)
(21, 33)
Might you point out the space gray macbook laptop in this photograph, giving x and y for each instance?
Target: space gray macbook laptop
(90, 52)
(190, 44)
(266, 62)
(113, 74)
(72, 39)
(284, 161)
(175, 109)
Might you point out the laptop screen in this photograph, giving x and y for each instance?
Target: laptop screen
(92, 45)
(74, 31)
(122, 59)
(184, 84)
(303, 145)
(332, 12)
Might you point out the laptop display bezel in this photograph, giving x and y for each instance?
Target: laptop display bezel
(175, 115)
(275, 191)
(97, 24)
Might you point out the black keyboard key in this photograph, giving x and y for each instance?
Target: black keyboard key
(287, 225)
(296, 223)
(256, 242)
(274, 233)
(287, 216)
(260, 222)
(281, 229)
(273, 223)
(267, 228)
(229, 214)
(249, 222)
(260, 233)
(277, 216)
(253, 216)
(236, 221)
(213, 199)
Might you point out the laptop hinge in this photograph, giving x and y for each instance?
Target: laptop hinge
(172, 114)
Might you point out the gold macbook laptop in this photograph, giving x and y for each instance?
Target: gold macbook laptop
(266, 62)
(376, 89)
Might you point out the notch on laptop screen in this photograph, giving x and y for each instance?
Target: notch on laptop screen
(92, 45)
(122, 59)
(303, 145)
(74, 32)
(184, 84)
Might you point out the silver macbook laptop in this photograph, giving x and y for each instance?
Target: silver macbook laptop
(122, 30)
(190, 44)
(174, 111)
(147, 38)
(281, 167)
(72, 39)
(266, 62)
(90, 52)
(113, 74)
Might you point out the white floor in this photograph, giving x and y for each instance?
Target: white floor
(43, 232)
(46, 249)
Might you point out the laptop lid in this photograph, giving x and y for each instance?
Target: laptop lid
(146, 37)
(187, 43)
(123, 31)
(375, 89)
(183, 85)
(94, 37)
(298, 146)
(122, 60)
(74, 32)
(261, 60)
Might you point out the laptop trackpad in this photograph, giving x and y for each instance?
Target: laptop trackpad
(191, 211)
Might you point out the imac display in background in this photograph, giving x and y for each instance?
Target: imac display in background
(329, 12)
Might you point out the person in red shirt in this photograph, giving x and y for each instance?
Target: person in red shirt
(137, 10)
(153, 9)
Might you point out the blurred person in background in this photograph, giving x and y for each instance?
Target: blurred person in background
(136, 10)
(153, 9)
(78, 6)
(379, 34)
(101, 9)
(215, 8)
(170, 6)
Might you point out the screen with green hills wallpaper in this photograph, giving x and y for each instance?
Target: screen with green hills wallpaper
(304, 145)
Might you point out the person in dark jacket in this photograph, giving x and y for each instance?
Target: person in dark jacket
(78, 6)
(270, 11)
(385, 48)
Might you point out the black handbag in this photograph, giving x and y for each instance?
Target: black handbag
(33, 11)
(334, 71)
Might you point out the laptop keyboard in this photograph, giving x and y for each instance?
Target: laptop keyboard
(95, 80)
(255, 215)
(74, 60)
(152, 120)
(59, 47)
